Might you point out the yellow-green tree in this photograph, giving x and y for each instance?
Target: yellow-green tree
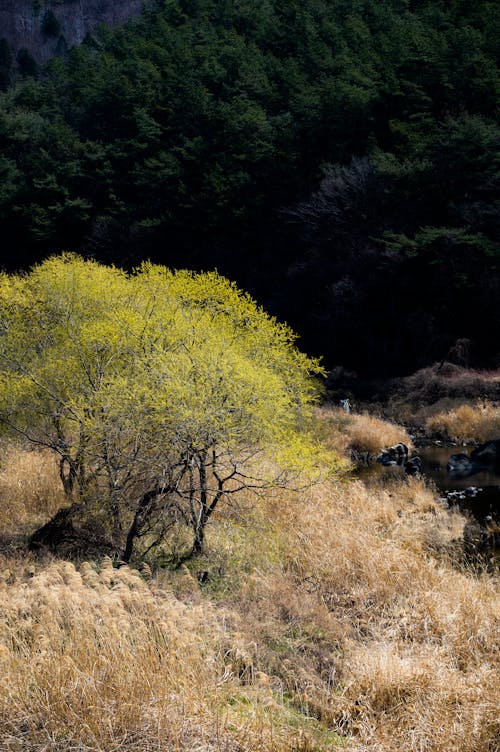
(158, 391)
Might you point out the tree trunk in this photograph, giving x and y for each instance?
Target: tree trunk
(131, 536)
(140, 516)
(200, 519)
(206, 507)
(68, 476)
(199, 535)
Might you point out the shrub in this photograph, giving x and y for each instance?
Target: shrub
(157, 391)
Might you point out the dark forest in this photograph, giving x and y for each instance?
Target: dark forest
(337, 158)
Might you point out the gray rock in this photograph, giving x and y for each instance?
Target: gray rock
(23, 22)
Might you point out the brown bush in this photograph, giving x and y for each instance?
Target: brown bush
(449, 380)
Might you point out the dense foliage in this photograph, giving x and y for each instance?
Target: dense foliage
(199, 136)
(157, 391)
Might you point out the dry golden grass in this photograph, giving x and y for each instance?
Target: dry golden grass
(369, 626)
(358, 434)
(466, 423)
(30, 488)
(335, 619)
(98, 659)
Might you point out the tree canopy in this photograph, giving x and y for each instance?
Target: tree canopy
(157, 390)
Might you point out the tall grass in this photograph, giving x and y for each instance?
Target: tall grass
(466, 422)
(98, 659)
(358, 434)
(340, 617)
(30, 487)
(370, 627)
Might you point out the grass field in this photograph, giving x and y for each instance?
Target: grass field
(341, 617)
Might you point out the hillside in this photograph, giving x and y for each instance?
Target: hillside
(339, 159)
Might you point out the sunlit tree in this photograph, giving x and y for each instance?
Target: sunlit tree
(158, 391)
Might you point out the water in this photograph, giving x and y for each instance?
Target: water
(478, 494)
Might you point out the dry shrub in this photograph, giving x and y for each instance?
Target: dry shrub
(358, 434)
(448, 380)
(30, 487)
(466, 423)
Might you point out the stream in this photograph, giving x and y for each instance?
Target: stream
(478, 493)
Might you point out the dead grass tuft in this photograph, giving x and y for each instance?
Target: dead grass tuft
(419, 691)
(358, 434)
(465, 423)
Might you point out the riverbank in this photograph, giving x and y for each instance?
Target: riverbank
(443, 403)
(443, 442)
(404, 395)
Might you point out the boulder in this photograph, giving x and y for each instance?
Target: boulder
(413, 466)
(487, 454)
(394, 455)
(461, 465)
(484, 457)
